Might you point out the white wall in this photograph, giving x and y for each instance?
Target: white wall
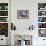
(23, 24)
(32, 6)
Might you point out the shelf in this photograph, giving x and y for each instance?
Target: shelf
(3, 16)
(42, 16)
(41, 28)
(3, 22)
(41, 22)
(42, 19)
(3, 10)
(41, 10)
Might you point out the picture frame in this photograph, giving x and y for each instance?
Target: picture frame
(22, 14)
(42, 33)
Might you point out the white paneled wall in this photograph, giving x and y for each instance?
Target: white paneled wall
(32, 6)
(23, 24)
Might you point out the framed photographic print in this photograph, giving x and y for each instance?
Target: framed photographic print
(42, 32)
(22, 14)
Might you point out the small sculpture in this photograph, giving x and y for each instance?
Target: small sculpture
(31, 27)
(13, 27)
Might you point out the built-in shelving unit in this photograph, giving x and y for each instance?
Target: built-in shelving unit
(4, 19)
(42, 19)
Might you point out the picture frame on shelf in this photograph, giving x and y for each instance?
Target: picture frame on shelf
(41, 6)
(42, 33)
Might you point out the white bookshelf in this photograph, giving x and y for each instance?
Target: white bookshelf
(2, 42)
(40, 15)
(42, 18)
(4, 18)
